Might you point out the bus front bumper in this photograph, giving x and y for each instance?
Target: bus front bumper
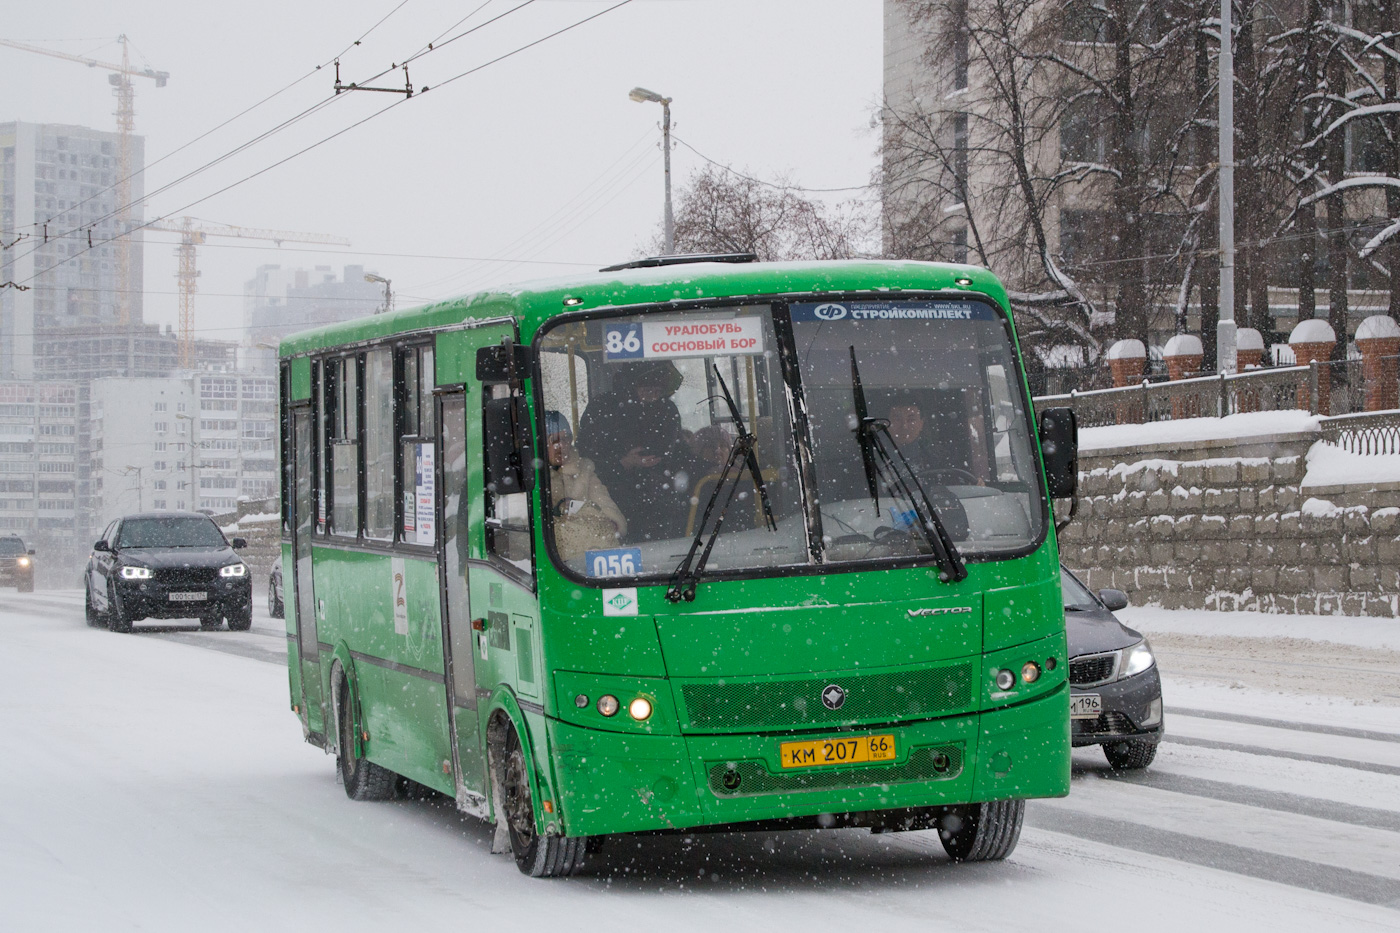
(615, 783)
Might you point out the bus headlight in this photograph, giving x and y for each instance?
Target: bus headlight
(608, 705)
(136, 573)
(233, 570)
(1137, 658)
(1005, 680)
(1030, 672)
(640, 709)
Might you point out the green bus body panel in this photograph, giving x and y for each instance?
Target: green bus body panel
(730, 675)
(403, 703)
(301, 380)
(534, 303)
(289, 619)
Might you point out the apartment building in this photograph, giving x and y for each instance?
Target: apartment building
(198, 441)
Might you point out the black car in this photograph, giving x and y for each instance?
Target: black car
(16, 564)
(168, 565)
(274, 590)
(1115, 691)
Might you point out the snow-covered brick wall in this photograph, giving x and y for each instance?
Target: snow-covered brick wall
(1241, 532)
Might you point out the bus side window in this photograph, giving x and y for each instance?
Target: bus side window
(508, 535)
(344, 444)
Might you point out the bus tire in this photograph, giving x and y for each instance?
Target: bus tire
(982, 832)
(116, 619)
(364, 780)
(535, 855)
(1133, 755)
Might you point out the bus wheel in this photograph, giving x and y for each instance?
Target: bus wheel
(535, 855)
(982, 832)
(364, 780)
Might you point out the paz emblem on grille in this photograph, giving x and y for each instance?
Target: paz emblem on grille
(833, 697)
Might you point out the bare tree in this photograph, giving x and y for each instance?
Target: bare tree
(719, 211)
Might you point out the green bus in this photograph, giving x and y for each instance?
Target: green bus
(690, 543)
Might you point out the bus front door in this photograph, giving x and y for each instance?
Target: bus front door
(308, 649)
(453, 507)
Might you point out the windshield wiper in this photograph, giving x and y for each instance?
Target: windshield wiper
(873, 434)
(687, 574)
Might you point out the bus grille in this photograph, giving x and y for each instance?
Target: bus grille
(750, 778)
(748, 705)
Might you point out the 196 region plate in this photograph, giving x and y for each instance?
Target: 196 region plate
(841, 751)
(1085, 706)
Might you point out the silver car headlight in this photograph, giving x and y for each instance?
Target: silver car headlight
(1136, 659)
(233, 570)
(136, 573)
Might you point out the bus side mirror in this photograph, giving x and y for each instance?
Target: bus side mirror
(1059, 447)
(505, 363)
(509, 453)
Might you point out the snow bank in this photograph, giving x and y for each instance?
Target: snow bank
(1358, 631)
(1332, 466)
(1230, 427)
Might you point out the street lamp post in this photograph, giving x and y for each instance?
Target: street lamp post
(388, 295)
(642, 95)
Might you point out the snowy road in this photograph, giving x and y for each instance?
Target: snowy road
(148, 784)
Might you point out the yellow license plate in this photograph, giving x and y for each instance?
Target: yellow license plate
(845, 751)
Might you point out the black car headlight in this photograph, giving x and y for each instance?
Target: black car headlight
(234, 570)
(1136, 659)
(136, 573)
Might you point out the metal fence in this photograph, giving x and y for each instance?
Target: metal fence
(1376, 432)
(1335, 390)
(1277, 389)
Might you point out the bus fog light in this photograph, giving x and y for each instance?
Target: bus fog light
(1030, 672)
(1005, 680)
(640, 709)
(581, 701)
(608, 705)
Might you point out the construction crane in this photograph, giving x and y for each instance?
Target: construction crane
(120, 79)
(193, 233)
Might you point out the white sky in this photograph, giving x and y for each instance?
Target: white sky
(541, 157)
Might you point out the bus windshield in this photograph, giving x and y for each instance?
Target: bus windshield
(940, 382)
(638, 431)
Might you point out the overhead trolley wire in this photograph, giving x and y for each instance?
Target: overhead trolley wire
(141, 171)
(342, 131)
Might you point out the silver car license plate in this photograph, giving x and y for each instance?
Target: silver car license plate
(1085, 706)
(188, 597)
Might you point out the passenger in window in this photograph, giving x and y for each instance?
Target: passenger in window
(585, 516)
(709, 451)
(633, 436)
